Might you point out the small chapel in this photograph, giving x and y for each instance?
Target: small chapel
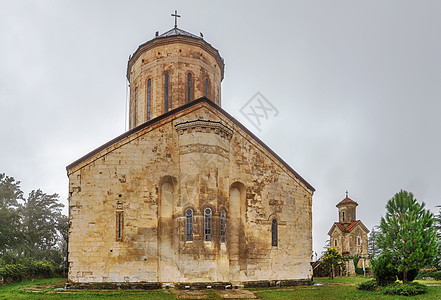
(349, 235)
(188, 195)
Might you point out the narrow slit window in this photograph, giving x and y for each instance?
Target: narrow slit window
(217, 96)
(136, 105)
(335, 242)
(119, 226)
(223, 227)
(206, 87)
(189, 84)
(274, 239)
(189, 225)
(358, 241)
(343, 215)
(207, 225)
(149, 98)
(166, 84)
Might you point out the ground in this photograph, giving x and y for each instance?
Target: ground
(323, 288)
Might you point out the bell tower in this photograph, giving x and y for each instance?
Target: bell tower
(170, 70)
(347, 210)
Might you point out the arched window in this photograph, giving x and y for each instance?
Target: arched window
(274, 240)
(217, 96)
(206, 87)
(189, 225)
(343, 216)
(136, 105)
(335, 242)
(353, 214)
(223, 227)
(166, 84)
(207, 225)
(189, 85)
(149, 97)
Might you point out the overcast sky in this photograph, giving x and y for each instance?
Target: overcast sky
(357, 85)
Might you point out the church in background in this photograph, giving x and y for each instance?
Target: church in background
(188, 195)
(349, 235)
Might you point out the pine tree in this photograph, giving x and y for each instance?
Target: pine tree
(373, 249)
(332, 259)
(407, 233)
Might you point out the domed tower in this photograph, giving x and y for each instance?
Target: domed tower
(171, 70)
(347, 212)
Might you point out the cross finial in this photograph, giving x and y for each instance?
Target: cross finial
(346, 194)
(176, 18)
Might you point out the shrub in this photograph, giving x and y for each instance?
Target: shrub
(385, 273)
(359, 271)
(405, 289)
(429, 273)
(13, 272)
(411, 275)
(370, 285)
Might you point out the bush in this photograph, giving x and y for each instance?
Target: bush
(28, 268)
(13, 272)
(411, 275)
(429, 273)
(385, 273)
(359, 271)
(405, 289)
(370, 285)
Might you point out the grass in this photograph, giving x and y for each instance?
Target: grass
(46, 289)
(341, 288)
(337, 288)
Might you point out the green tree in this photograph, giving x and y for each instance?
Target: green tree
(333, 260)
(407, 233)
(42, 221)
(10, 223)
(373, 249)
(437, 225)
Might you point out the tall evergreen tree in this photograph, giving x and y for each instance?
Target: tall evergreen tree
(407, 233)
(373, 249)
(437, 225)
(10, 223)
(41, 217)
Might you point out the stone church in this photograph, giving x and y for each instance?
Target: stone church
(188, 195)
(349, 235)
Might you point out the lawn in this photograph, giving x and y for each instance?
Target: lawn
(341, 288)
(323, 288)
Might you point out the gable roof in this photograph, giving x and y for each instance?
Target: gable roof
(347, 227)
(177, 110)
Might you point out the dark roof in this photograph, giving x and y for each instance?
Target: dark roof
(178, 31)
(179, 109)
(346, 201)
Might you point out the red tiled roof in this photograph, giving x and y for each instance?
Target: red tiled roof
(352, 225)
(346, 227)
(346, 201)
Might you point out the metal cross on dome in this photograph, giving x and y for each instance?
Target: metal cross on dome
(176, 18)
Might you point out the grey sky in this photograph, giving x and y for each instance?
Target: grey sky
(357, 85)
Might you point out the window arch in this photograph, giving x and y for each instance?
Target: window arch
(166, 88)
(149, 98)
(274, 238)
(188, 225)
(189, 87)
(223, 226)
(207, 224)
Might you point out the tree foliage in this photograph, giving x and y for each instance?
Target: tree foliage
(333, 260)
(32, 228)
(373, 249)
(407, 233)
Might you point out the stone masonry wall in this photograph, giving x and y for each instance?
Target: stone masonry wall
(155, 174)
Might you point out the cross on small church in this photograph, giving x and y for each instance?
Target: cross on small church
(176, 18)
(346, 194)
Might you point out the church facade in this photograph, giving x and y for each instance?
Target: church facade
(188, 195)
(349, 235)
